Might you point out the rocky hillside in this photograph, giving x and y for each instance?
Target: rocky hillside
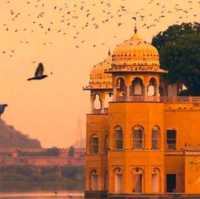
(11, 138)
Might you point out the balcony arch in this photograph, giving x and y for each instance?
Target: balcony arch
(120, 87)
(152, 87)
(97, 102)
(137, 87)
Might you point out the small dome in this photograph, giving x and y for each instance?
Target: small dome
(135, 54)
(98, 78)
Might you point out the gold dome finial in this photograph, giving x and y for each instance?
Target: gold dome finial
(135, 29)
(109, 52)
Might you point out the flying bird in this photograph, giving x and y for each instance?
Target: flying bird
(39, 73)
(2, 108)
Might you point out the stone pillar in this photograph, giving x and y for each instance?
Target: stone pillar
(145, 82)
(92, 99)
(145, 92)
(102, 105)
(102, 100)
(157, 91)
(115, 93)
(128, 91)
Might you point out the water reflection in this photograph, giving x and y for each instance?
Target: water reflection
(63, 195)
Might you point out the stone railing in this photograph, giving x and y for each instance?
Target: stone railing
(100, 111)
(165, 99)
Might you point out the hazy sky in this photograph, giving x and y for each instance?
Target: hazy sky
(49, 31)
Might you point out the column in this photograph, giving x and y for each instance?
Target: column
(92, 99)
(102, 100)
(114, 93)
(128, 91)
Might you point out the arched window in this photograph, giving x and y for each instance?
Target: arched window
(151, 89)
(94, 144)
(118, 138)
(155, 138)
(121, 87)
(138, 176)
(138, 137)
(118, 180)
(137, 87)
(155, 180)
(94, 181)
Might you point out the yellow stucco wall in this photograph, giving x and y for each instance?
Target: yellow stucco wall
(183, 117)
(174, 164)
(128, 115)
(192, 172)
(96, 125)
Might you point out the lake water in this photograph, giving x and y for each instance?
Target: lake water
(42, 195)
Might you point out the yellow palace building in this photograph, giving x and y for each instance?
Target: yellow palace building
(142, 139)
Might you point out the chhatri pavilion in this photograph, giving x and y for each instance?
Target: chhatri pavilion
(142, 138)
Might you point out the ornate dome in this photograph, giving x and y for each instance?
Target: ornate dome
(135, 54)
(98, 78)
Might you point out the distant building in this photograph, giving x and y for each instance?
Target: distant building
(41, 157)
(142, 139)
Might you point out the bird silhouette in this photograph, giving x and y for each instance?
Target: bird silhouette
(2, 108)
(39, 73)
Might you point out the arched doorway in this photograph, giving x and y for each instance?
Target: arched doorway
(138, 180)
(155, 180)
(118, 180)
(94, 181)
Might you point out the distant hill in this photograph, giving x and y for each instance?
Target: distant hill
(11, 138)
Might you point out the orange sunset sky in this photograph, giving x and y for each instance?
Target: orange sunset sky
(49, 31)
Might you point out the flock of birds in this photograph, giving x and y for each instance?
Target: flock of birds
(75, 17)
(72, 18)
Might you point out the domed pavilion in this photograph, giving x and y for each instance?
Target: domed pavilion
(140, 144)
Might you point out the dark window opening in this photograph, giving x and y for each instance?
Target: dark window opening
(171, 182)
(94, 148)
(171, 139)
(138, 137)
(119, 138)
